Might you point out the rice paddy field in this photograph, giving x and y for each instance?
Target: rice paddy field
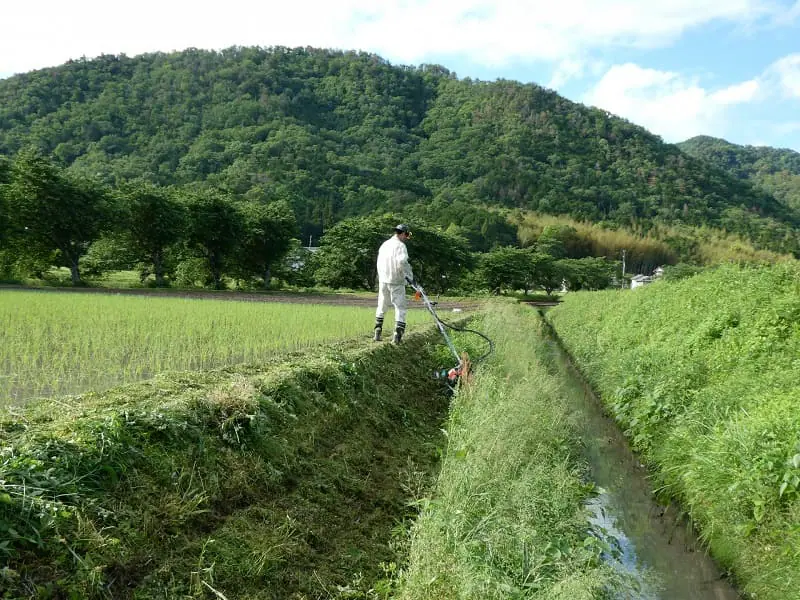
(58, 343)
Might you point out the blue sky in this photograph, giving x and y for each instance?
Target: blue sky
(727, 68)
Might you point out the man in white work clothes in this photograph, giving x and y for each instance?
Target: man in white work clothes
(393, 272)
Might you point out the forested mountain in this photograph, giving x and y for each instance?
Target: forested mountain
(338, 134)
(775, 170)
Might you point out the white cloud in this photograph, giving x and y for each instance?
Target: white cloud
(786, 72)
(570, 69)
(737, 93)
(489, 32)
(567, 70)
(93, 27)
(667, 103)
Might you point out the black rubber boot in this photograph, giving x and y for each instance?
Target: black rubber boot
(378, 329)
(399, 330)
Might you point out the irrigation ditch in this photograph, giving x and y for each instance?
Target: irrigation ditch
(655, 542)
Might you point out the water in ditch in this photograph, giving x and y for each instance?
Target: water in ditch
(654, 544)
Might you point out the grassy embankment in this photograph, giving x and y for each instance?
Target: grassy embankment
(703, 375)
(285, 479)
(506, 517)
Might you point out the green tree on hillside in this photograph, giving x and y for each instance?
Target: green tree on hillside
(53, 212)
(561, 241)
(506, 268)
(6, 258)
(110, 252)
(589, 273)
(773, 170)
(152, 222)
(439, 258)
(346, 134)
(268, 232)
(483, 228)
(5, 178)
(349, 252)
(214, 229)
(545, 273)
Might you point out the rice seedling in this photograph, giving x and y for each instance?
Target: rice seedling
(60, 343)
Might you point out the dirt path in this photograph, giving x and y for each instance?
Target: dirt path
(283, 297)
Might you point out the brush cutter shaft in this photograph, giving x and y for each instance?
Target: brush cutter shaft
(429, 306)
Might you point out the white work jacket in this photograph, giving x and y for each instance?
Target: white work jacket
(393, 264)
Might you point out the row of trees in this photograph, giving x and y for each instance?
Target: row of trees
(527, 269)
(442, 260)
(50, 216)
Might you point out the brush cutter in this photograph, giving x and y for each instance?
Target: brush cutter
(463, 364)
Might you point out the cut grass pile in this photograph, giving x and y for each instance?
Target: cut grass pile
(64, 343)
(703, 374)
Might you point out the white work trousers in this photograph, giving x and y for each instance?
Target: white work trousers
(392, 294)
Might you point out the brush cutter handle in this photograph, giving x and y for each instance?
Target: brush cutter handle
(429, 305)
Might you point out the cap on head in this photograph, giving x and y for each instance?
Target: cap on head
(402, 228)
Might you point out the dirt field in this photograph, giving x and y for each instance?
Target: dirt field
(289, 298)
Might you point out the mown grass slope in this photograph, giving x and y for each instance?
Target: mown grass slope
(704, 376)
(263, 481)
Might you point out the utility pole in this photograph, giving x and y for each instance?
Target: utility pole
(623, 267)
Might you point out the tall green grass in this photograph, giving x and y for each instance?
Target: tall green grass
(704, 376)
(505, 519)
(59, 343)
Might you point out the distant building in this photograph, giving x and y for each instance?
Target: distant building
(299, 259)
(640, 280)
